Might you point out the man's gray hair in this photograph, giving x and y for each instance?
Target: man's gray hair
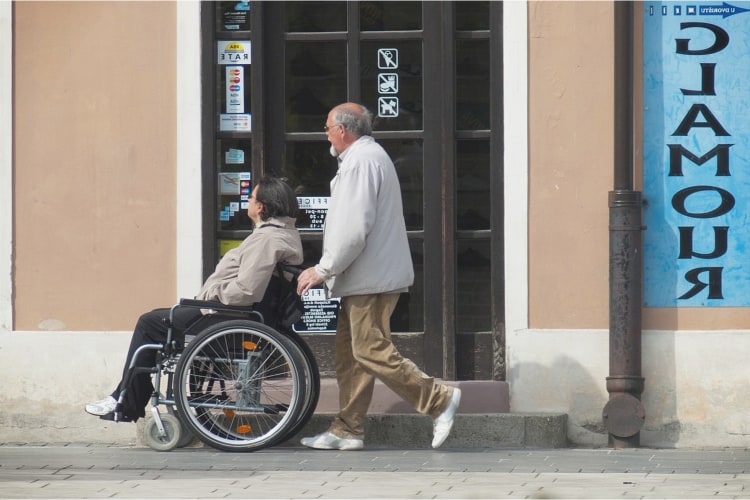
(358, 123)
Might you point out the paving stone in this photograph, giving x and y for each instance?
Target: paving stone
(37, 471)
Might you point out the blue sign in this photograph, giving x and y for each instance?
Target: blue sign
(696, 154)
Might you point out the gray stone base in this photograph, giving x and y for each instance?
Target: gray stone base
(491, 430)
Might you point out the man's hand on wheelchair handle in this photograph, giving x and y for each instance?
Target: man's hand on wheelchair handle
(308, 279)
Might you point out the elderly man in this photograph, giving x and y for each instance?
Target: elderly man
(366, 261)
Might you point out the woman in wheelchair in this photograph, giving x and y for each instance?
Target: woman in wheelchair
(240, 279)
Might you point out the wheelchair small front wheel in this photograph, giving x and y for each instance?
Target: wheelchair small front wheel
(173, 431)
(186, 437)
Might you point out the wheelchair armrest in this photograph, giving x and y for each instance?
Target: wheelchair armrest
(289, 268)
(216, 306)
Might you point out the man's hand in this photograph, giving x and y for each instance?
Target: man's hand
(308, 279)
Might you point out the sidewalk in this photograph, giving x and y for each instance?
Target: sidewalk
(88, 471)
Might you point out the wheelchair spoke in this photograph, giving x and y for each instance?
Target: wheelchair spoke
(240, 385)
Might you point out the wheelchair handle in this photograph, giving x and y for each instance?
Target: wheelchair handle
(289, 268)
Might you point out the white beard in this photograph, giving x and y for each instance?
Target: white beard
(333, 152)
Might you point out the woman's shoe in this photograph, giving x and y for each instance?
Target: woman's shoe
(102, 407)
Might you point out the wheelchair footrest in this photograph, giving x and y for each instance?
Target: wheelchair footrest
(111, 417)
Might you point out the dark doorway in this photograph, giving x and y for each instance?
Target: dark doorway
(431, 72)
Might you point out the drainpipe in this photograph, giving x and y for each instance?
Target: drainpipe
(624, 414)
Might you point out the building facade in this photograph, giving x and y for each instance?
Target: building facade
(133, 131)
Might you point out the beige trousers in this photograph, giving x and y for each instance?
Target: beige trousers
(364, 351)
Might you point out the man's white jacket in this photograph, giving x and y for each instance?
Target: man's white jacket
(365, 248)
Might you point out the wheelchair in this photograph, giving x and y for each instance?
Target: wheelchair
(237, 384)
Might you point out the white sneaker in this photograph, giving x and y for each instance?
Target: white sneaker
(102, 407)
(328, 441)
(443, 424)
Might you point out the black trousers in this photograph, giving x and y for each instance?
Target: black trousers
(150, 329)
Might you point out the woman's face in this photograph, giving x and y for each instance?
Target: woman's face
(254, 207)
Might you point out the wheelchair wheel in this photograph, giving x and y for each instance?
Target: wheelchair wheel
(162, 443)
(240, 386)
(312, 375)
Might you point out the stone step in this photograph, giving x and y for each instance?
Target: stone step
(470, 431)
(483, 420)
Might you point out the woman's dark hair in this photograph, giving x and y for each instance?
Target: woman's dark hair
(277, 197)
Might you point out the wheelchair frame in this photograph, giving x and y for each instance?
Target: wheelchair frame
(237, 384)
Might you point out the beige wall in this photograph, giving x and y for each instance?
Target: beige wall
(571, 171)
(692, 358)
(94, 156)
(570, 162)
